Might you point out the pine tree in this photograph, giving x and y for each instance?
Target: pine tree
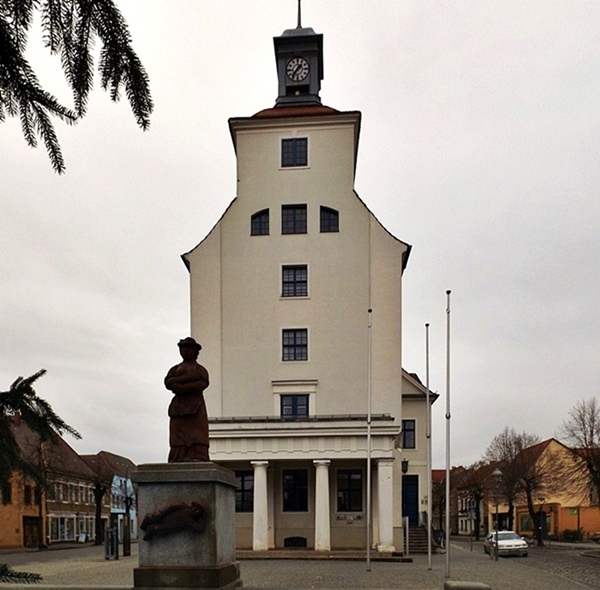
(10, 576)
(70, 28)
(22, 400)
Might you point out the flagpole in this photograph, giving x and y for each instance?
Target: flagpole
(448, 434)
(428, 434)
(370, 311)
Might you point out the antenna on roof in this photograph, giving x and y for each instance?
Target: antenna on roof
(299, 14)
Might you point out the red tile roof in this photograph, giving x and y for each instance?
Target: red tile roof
(295, 111)
(59, 458)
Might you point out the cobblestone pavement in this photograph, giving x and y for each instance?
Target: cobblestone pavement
(571, 563)
(545, 569)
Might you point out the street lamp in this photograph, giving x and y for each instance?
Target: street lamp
(497, 477)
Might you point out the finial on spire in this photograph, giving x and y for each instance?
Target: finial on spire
(299, 14)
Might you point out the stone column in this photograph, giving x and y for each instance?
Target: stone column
(271, 505)
(385, 496)
(260, 523)
(322, 502)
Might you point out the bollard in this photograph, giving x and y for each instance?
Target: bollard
(111, 544)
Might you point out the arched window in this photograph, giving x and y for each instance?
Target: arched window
(259, 223)
(330, 220)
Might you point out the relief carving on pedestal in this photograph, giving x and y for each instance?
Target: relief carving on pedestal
(174, 518)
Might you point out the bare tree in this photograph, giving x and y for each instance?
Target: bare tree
(474, 485)
(504, 450)
(581, 433)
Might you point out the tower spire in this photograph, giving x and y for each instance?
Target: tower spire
(299, 14)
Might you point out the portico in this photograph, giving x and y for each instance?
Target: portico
(309, 487)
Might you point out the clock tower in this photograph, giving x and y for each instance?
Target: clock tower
(299, 56)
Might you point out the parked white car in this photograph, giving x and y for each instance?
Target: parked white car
(509, 543)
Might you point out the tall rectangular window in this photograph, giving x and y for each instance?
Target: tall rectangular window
(295, 345)
(294, 281)
(244, 494)
(294, 152)
(330, 220)
(7, 493)
(27, 494)
(294, 406)
(293, 219)
(349, 490)
(295, 490)
(409, 439)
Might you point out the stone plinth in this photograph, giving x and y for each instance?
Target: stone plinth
(183, 551)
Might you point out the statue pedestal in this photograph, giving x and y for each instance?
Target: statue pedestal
(191, 541)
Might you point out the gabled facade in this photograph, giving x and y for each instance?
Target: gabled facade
(65, 512)
(296, 297)
(565, 504)
(116, 472)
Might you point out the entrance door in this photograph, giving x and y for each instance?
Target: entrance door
(31, 532)
(410, 499)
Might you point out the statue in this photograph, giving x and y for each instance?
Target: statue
(188, 428)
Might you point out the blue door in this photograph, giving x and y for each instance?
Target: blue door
(410, 499)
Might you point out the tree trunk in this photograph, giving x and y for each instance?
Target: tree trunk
(536, 519)
(511, 515)
(99, 491)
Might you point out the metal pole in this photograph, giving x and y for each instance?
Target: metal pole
(370, 311)
(448, 434)
(428, 434)
(497, 502)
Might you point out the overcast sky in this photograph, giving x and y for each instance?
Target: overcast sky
(479, 146)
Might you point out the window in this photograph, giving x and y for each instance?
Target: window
(295, 490)
(259, 223)
(294, 406)
(7, 493)
(294, 281)
(409, 440)
(27, 495)
(293, 219)
(294, 152)
(295, 345)
(244, 494)
(349, 490)
(330, 220)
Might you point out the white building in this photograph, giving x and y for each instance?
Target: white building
(281, 290)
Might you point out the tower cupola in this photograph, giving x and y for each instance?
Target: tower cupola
(299, 57)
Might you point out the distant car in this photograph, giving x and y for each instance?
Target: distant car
(509, 543)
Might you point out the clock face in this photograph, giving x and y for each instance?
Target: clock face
(297, 69)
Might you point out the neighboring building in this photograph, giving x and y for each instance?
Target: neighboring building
(116, 472)
(281, 290)
(474, 492)
(438, 493)
(66, 512)
(457, 476)
(564, 502)
(21, 512)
